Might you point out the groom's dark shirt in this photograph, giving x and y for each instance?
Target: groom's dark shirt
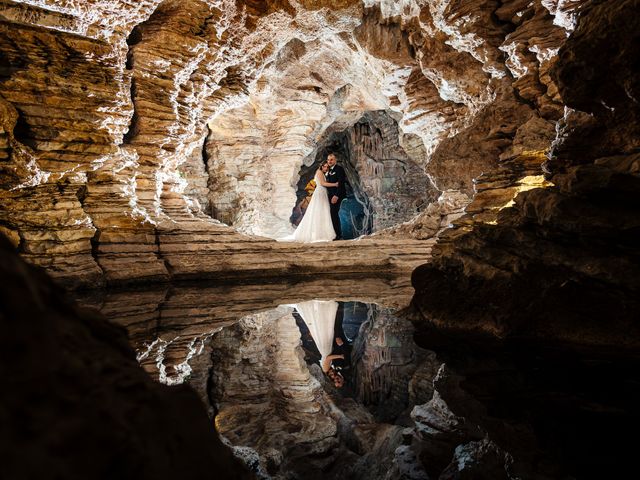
(343, 364)
(336, 174)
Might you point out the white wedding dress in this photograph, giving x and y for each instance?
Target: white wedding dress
(320, 317)
(316, 225)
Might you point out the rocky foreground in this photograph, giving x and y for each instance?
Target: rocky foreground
(77, 405)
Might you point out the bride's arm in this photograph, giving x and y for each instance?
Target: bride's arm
(326, 363)
(324, 183)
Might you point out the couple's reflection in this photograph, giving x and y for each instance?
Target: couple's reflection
(323, 319)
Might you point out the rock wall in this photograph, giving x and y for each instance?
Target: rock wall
(394, 184)
(552, 274)
(540, 296)
(390, 186)
(457, 122)
(105, 107)
(561, 261)
(77, 405)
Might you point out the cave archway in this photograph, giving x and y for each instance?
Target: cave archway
(385, 186)
(356, 212)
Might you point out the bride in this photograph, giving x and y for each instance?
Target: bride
(320, 317)
(316, 225)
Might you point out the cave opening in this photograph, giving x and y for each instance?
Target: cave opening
(356, 212)
(385, 186)
(262, 191)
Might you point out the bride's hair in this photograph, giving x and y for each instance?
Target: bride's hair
(322, 165)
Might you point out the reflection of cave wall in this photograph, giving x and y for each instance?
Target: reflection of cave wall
(384, 183)
(391, 373)
(265, 397)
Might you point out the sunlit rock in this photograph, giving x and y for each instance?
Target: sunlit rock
(119, 140)
(543, 229)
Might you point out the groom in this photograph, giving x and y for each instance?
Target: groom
(336, 194)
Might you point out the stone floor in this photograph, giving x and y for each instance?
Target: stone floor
(204, 249)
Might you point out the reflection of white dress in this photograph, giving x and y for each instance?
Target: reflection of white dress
(320, 317)
(316, 225)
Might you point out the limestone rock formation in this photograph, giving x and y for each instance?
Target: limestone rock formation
(561, 261)
(124, 126)
(541, 293)
(495, 142)
(389, 186)
(75, 403)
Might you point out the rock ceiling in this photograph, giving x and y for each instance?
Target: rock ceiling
(112, 111)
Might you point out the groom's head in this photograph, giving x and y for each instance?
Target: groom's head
(331, 160)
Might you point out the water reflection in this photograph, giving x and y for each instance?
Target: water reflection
(291, 385)
(375, 362)
(328, 330)
(323, 379)
(297, 381)
(324, 326)
(170, 326)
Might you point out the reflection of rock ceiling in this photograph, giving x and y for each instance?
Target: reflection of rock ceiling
(168, 326)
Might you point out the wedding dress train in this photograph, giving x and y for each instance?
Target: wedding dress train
(320, 317)
(316, 225)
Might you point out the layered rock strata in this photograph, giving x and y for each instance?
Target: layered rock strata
(105, 109)
(542, 296)
(561, 259)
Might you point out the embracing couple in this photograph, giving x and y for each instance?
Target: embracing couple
(321, 221)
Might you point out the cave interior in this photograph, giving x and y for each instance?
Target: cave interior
(479, 320)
